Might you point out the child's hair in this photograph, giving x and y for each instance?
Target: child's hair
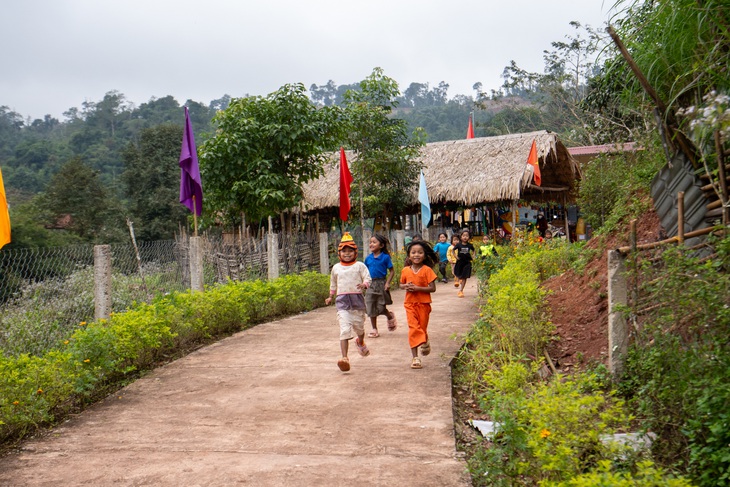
(444, 234)
(454, 236)
(465, 231)
(430, 258)
(384, 242)
(416, 238)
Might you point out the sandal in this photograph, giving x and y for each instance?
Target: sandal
(392, 324)
(344, 364)
(416, 363)
(362, 349)
(426, 348)
(373, 334)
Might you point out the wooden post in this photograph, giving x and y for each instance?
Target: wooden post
(514, 219)
(635, 261)
(724, 196)
(680, 217)
(565, 215)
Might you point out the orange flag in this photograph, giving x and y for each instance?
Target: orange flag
(470, 130)
(532, 160)
(345, 181)
(4, 215)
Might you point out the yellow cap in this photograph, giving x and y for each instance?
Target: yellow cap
(347, 241)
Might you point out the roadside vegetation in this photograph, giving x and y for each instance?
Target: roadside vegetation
(95, 358)
(557, 428)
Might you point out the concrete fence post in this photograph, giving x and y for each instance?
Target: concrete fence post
(196, 264)
(400, 239)
(618, 332)
(366, 234)
(272, 244)
(102, 282)
(324, 253)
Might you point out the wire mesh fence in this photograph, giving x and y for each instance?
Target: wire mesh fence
(46, 293)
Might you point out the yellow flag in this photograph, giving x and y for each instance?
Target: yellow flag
(4, 215)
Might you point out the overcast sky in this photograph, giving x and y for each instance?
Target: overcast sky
(56, 54)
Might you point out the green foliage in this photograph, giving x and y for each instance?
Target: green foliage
(152, 180)
(647, 475)
(77, 200)
(385, 167)
(682, 47)
(543, 434)
(678, 371)
(611, 182)
(264, 149)
(551, 432)
(35, 389)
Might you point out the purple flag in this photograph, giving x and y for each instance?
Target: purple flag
(190, 185)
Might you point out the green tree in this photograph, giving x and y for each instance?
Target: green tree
(264, 150)
(77, 201)
(152, 182)
(385, 169)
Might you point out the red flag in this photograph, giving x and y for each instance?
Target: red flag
(470, 130)
(532, 160)
(345, 181)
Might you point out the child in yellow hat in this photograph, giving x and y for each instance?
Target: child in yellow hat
(347, 281)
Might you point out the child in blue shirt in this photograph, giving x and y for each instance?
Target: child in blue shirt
(377, 296)
(441, 248)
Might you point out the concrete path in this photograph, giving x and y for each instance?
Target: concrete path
(269, 407)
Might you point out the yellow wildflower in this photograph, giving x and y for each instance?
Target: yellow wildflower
(544, 433)
(82, 323)
(39, 391)
(16, 402)
(65, 342)
(86, 361)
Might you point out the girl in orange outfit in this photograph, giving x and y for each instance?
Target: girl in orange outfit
(419, 281)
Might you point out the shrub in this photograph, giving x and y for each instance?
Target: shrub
(35, 390)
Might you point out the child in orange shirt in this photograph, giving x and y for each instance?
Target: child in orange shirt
(419, 281)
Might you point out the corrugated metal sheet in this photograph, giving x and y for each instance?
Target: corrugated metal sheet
(675, 177)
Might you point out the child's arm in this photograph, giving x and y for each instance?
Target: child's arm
(333, 287)
(389, 279)
(431, 288)
(365, 276)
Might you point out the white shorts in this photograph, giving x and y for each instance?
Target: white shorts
(351, 320)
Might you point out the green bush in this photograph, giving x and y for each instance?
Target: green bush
(35, 390)
(677, 371)
(646, 475)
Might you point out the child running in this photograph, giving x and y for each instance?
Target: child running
(442, 248)
(464, 254)
(377, 297)
(419, 281)
(347, 280)
(451, 257)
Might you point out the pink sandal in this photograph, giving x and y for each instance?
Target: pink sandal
(392, 324)
(362, 349)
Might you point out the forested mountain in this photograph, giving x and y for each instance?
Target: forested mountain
(129, 153)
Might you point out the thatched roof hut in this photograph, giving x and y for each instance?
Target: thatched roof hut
(470, 172)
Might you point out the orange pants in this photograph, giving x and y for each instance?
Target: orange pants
(417, 315)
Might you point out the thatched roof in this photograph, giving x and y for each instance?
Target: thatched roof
(469, 172)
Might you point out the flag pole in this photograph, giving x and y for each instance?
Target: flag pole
(195, 219)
